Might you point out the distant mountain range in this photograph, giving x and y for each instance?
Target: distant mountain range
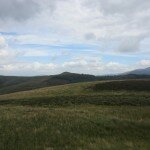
(145, 71)
(9, 84)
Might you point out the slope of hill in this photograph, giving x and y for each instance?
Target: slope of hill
(9, 84)
(99, 92)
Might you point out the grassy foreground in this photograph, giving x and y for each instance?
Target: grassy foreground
(82, 127)
(87, 116)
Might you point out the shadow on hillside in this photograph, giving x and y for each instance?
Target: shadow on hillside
(132, 99)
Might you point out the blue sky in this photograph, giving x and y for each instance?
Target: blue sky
(83, 36)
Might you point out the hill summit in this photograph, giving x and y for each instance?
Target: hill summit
(66, 73)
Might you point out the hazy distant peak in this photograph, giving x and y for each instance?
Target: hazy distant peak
(145, 71)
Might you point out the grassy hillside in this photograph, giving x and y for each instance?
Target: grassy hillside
(127, 92)
(92, 116)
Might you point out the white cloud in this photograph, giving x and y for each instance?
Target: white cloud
(6, 55)
(94, 65)
(33, 39)
(2, 42)
(28, 69)
(44, 53)
(129, 44)
(144, 63)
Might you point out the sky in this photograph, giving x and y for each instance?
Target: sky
(99, 37)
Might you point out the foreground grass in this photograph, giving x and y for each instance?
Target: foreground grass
(83, 127)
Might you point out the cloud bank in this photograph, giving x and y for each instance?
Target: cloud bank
(55, 33)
